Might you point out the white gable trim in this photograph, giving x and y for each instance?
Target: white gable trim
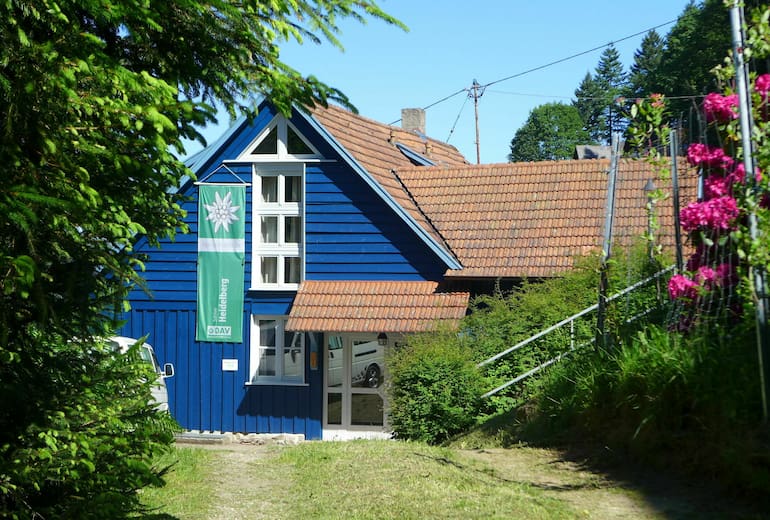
(448, 259)
(282, 126)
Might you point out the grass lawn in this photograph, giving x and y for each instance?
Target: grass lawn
(351, 480)
(403, 480)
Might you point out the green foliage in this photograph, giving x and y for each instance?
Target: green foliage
(85, 433)
(588, 101)
(687, 401)
(685, 71)
(434, 388)
(96, 97)
(597, 98)
(551, 132)
(611, 81)
(642, 78)
(498, 322)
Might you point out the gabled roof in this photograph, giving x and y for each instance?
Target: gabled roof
(373, 150)
(380, 150)
(510, 220)
(351, 306)
(532, 219)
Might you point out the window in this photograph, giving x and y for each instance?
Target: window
(280, 140)
(277, 355)
(278, 226)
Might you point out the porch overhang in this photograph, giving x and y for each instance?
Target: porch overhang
(362, 306)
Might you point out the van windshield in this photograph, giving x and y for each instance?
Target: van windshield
(148, 356)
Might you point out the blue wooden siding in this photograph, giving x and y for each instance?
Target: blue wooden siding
(203, 397)
(350, 234)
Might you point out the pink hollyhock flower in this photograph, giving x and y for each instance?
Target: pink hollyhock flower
(682, 287)
(718, 214)
(727, 275)
(721, 108)
(706, 277)
(716, 186)
(762, 85)
(707, 156)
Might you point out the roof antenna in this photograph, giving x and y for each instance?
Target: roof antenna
(476, 91)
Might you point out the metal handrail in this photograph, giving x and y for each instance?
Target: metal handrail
(571, 321)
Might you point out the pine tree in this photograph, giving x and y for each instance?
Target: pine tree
(643, 78)
(589, 104)
(611, 81)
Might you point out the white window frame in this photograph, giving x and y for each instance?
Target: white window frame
(299, 345)
(283, 125)
(281, 209)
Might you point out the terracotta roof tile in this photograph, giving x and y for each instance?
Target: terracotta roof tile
(356, 306)
(532, 219)
(373, 145)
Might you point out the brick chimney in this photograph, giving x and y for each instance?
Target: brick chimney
(413, 120)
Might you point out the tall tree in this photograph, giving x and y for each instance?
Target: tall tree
(697, 43)
(589, 102)
(551, 132)
(95, 99)
(643, 78)
(611, 81)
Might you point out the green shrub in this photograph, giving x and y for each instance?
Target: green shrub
(78, 433)
(498, 322)
(434, 389)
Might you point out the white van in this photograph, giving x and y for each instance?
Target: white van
(159, 391)
(366, 366)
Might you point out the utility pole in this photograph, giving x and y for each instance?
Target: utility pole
(476, 91)
(757, 271)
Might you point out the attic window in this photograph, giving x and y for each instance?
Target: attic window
(296, 145)
(268, 145)
(280, 140)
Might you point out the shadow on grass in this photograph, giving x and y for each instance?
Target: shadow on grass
(666, 480)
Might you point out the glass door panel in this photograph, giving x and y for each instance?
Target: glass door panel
(355, 374)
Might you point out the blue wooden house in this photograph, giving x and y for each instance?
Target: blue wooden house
(355, 233)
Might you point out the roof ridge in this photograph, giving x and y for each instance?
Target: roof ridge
(391, 127)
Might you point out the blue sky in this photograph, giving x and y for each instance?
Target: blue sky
(451, 42)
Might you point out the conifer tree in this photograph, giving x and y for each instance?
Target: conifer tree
(588, 102)
(611, 81)
(643, 78)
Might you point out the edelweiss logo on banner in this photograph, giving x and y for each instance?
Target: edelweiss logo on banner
(222, 211)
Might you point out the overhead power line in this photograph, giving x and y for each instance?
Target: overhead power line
(578, 54)
(550, 64)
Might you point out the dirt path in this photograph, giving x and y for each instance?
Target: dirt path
(239, 490)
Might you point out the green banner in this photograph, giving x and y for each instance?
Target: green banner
(221, 254)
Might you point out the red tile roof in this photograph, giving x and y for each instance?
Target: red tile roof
(532, 219)
(505, 220)
(357, 306)
(373, 146)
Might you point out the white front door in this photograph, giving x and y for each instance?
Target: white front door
(354, 404)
